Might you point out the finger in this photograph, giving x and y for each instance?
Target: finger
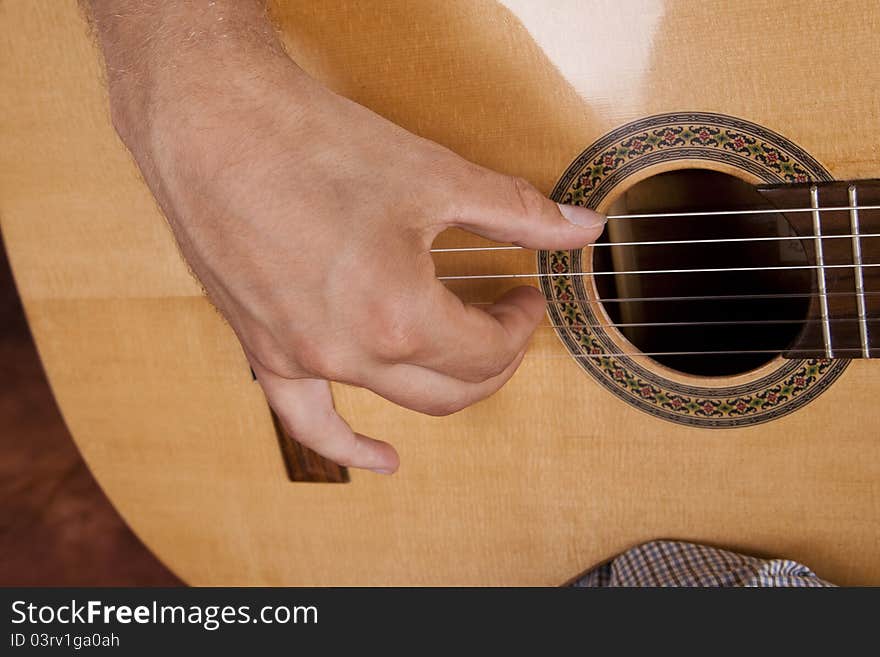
(508, 209)
(426, 391)
(305, 409)
(476, 344)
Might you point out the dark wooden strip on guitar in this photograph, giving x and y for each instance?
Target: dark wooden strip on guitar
(840, 282)
(303, 464)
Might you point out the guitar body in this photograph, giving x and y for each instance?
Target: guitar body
(557, 472)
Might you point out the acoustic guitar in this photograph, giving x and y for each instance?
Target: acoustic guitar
(706, 372)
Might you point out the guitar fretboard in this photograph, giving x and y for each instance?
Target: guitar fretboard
(838, 235)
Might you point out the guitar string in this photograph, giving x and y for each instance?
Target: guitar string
(782, 238)
(711, 213)
(720, 213)
(736, 322)
(729, 297)
(649, 272)
(708, 297)
(816, 353)
(680, 298)
(732, 297)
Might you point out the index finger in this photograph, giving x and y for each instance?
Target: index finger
(474, 344)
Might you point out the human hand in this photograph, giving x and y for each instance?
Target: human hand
(309, 220)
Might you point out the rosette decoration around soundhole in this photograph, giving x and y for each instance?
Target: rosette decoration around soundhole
(691, 140)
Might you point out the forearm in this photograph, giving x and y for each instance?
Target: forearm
(157, 49)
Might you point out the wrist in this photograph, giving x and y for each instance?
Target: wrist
(172, 56)
(196, 87)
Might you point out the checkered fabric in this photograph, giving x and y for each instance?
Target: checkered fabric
(674, 563)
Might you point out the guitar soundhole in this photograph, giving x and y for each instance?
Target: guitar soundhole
(748, 316)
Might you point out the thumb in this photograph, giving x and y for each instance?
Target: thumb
(509, 209)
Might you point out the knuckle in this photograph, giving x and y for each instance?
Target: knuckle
(395, 332)
(271, 356)
(495, 366)
(529, 200)
(488, 368)
(455, 187)
(320, 360)
(444, 407)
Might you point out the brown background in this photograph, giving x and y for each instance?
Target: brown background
(56, 526)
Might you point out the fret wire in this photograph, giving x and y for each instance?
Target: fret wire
(781, 238)
(820, 270)
(859, 276)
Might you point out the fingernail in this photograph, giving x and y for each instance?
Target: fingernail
(582, 216)
(381, 471)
